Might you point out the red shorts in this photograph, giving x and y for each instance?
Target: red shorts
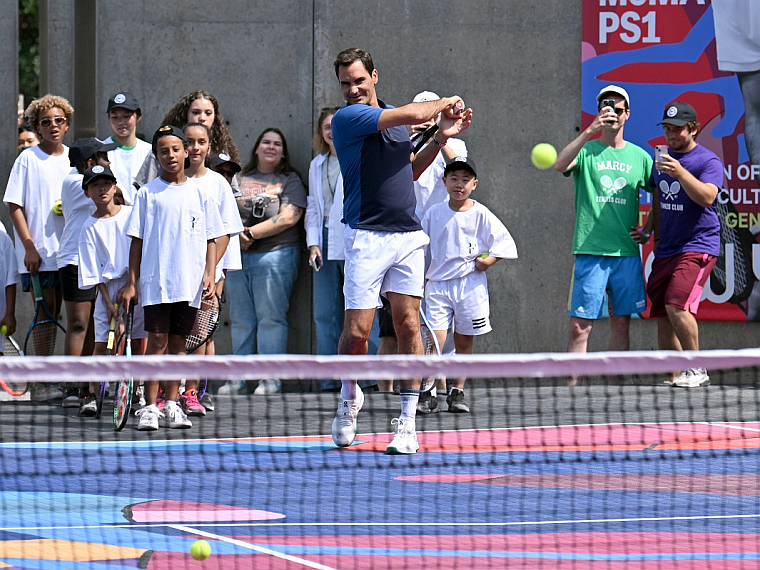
(678, 281)
(173, 318)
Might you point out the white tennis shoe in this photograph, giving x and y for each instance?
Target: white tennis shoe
(149, 416)
(692, 378)
(344, 425)
(405, 439)
(174, 417)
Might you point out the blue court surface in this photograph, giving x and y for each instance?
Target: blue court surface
(625, 496)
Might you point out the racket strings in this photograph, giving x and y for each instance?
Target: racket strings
(208, 319)
(42, 341)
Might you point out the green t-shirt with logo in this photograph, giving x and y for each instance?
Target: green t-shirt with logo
(607, 182)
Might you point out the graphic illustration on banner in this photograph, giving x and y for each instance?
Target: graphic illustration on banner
(662, 51)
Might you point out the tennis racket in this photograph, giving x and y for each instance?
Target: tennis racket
(122, 404)
(208, 320)
(431, 348)
(40, 340)
(109, 352)
(14, 388)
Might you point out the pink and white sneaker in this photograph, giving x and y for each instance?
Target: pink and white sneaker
(190, 404)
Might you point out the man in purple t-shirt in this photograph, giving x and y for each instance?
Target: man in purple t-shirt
(687, 235)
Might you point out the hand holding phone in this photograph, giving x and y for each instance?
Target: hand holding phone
(316, 263)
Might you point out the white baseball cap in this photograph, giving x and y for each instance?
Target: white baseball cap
(425, 96)
(617, 91)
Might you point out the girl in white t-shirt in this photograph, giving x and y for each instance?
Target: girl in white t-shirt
(8, 279)
(174, 226)
(34, 187)
(227, 246)
(103, 254)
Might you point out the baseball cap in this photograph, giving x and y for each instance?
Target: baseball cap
(97, 171)
(86, 148)
(125, 100)
(219, 158)
(678, 114)
(425, 96)
(617, 91)
(167, 131)
(461, 163)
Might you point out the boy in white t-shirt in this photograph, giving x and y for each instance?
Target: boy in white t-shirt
(76, 207)
(34, 187)
(8, 279)
(174, 225)
(124, 114)
(465, 240)
(103, 252)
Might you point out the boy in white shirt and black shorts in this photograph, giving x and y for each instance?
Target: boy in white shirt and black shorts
(465, 240)
(174, 225)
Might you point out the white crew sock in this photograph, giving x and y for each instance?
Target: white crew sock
(409, 406)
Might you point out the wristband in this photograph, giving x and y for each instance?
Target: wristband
(440, 144)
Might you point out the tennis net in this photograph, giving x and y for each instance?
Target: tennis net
(620, 471)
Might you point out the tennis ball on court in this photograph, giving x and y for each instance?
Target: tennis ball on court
(58, 208)
(543, 156)
(200, 550)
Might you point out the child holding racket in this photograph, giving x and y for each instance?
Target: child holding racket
(465, 240)
(103, 261)
(33, 188)
(173, 225)
(227, 247)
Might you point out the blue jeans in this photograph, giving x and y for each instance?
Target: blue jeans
(259, 296)
(327, 289)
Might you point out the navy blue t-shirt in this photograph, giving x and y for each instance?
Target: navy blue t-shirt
(378, 184)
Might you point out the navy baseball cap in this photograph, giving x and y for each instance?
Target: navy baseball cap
(97, 171)
(125, 100)
(167, 131)
(86, 148)
(461, 163)
(678, 114)
(219, 158)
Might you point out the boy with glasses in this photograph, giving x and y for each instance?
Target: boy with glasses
(34, 187)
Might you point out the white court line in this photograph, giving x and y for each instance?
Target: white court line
(387, 524)
(734, 426)
(249, 546)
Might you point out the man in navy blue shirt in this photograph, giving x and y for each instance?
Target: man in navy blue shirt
(384, 241)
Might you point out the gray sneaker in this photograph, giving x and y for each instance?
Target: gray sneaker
(267, 387)
(455, 400)
(232, 388)
(46, 392)
(207, 402)
(427, 404)
(71, 399)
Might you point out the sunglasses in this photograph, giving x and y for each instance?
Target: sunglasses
(618, 111)
(47, 121)
(226, 173)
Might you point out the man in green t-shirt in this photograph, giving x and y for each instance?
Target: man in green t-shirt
(608, 173)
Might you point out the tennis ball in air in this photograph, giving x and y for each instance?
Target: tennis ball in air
(200, 550)
(58, 208)
(543, 156)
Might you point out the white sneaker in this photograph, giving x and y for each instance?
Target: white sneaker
(45, 392)
(174, 417)
(692, 378)
(344, 424)
(149, 416)
(232, 388)
(405, 438)
(268, 386)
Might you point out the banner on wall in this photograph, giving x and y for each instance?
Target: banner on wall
(662, 51)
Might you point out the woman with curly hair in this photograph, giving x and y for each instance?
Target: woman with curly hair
(196, 107)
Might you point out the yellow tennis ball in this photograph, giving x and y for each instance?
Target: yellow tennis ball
(58, 208)
(200, 550)
(4, 329)
(543, 156)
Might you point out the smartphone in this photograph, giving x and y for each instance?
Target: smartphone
(659, 150)
(317, 263)
(609, 103)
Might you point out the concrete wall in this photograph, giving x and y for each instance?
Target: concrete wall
(516, 63)
(8, 93)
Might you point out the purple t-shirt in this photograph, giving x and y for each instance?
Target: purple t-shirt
(684, 225)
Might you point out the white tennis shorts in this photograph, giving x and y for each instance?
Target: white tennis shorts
(462, 301)
(737, 35)
(379, 262)
(100, 317)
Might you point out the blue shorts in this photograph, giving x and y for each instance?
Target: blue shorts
(620, 277)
